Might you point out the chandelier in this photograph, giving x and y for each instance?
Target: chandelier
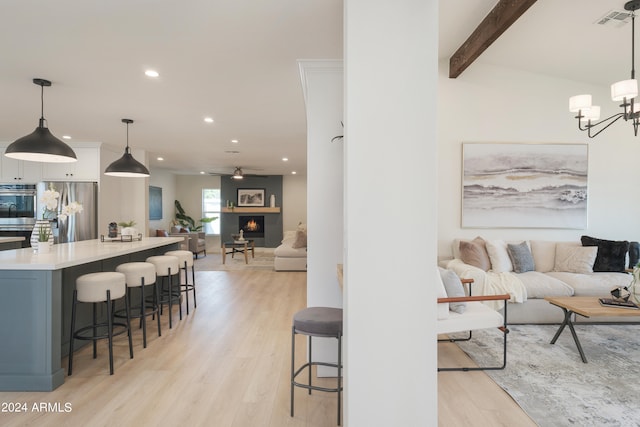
(625, 91)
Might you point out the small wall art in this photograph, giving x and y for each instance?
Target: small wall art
(524, 185)
(155, 203)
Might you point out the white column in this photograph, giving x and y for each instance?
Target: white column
(390, 212)
(322, 86)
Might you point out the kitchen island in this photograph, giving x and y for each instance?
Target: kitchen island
(35, 304)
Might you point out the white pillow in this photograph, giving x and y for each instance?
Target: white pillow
(443, 307)
(500, 261)
(575, 259)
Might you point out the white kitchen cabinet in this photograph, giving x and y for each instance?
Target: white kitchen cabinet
(87, 168)
(18, 171)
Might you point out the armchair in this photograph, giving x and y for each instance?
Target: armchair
(475, 315)
(194, 242)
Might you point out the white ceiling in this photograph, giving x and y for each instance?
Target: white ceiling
(236, 61)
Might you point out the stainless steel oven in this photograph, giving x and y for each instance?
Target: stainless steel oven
(17, 207)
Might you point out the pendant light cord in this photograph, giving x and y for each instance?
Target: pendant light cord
(42, 119)
(633, 43)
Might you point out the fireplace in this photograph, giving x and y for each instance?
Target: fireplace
(251, 226)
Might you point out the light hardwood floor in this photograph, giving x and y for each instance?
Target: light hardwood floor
(227, 364)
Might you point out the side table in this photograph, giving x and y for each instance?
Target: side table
(238, 247)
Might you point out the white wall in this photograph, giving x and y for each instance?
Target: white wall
(390, 127)
(491, 104)
(294, 193)
(121, 199)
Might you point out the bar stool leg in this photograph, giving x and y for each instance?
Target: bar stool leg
(127, 307)
(193, 282)
(186, 285)
(156, 294)
(143, 317)
(109, 331)
(339, 375)
(293, 361)
(310, 362)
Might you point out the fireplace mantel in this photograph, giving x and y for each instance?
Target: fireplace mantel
(251, 210)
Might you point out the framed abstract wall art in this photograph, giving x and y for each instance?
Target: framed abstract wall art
(524, 185)
(251, 197)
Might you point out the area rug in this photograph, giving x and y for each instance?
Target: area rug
(552, 384)
(263, 260)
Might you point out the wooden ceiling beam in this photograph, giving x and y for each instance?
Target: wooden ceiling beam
(505, 13)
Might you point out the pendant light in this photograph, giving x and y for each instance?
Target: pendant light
(41, 145)
(126, 166)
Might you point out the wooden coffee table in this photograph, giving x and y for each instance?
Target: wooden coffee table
(238, 247)
(585, 307)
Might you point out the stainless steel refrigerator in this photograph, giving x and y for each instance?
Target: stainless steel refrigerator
(81, 226)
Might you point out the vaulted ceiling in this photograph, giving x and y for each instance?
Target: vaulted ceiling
(235, 61)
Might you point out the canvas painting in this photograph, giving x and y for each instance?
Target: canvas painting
(524, 185)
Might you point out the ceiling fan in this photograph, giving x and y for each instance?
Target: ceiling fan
(238, 174)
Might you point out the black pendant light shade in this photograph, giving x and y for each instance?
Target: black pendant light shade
(41, 145)
(126, 166)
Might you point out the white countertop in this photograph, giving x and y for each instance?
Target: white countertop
(69, 254)
(11, 239)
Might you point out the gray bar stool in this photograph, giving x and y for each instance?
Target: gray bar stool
(104, 287)
(166, 267)
(138, 275)
(317, 322)
(186, 260)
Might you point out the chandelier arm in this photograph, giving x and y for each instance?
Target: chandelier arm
(610, 119)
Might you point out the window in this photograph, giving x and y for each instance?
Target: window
(211, 208)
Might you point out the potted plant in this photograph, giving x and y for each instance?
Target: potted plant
(189, 223)
(44, 233)
(128, 228)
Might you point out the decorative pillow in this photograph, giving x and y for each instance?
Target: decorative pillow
(521, 257)
(544, 254)
(162, 233)
(575, 259)
(634, 254)
(453, 287)
(474, 253)
(443, 307)
(301, 240)
(611, 254)
(500, 261)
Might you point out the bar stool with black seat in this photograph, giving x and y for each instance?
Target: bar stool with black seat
(317, 322)
(167, 266)
(139, 275)
(95, 288)
(185, 259)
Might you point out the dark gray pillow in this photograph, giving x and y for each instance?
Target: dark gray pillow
(611, 253)
(521, 257)
(454, 288)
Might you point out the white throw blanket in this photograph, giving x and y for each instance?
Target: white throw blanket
(491, 283)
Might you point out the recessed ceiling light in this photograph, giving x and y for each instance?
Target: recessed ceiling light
(208, 119)
(285, 159)
(293, 172)
(235, 141)
(66, 137)
(201, 172)
(160, 159)
(151, 73)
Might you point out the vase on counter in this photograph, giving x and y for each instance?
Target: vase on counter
(43, 247)
(272, 201)
(41, 224)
